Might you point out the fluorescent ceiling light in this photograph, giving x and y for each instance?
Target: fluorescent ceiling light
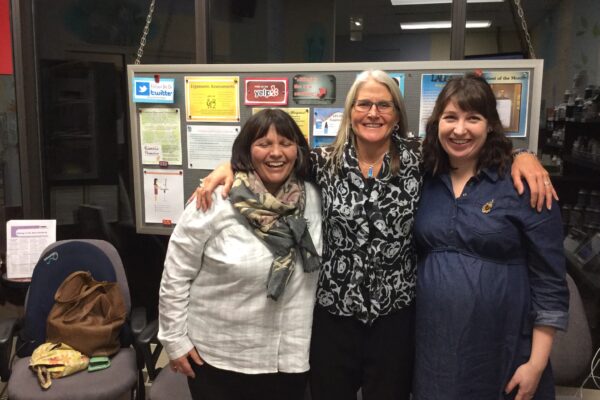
(442, 25)
(417, 2)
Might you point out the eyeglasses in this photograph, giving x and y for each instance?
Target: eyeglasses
(383, 107)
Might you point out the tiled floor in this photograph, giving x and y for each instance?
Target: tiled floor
(564, 393)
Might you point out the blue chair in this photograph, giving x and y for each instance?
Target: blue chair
(124, 378)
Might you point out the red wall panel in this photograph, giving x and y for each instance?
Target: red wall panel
(6, 56)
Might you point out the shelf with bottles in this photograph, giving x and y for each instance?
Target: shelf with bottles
(588, 162)
(583, 211)
(574, 142)
(577, 108)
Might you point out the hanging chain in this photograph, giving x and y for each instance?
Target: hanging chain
(524, 26)
(140, 51)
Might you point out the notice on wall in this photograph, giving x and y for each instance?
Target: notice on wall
(511, 89)
(265, 91)
(160, 135)
(25, 242)
(209, 146)
(149, 90)
(212, 98)
(327, 121)
(163, 195)
(326, 124)
(300, 115)
(399, 77)
(313, 89)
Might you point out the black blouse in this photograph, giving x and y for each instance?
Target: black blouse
(368, 254)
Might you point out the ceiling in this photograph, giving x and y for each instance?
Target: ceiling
(382, 18)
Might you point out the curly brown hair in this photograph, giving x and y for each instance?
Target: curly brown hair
(470, 93)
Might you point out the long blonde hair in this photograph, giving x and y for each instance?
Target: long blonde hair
(345, 133)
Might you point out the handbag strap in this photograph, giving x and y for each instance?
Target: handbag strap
(43, 376)
(83, 284)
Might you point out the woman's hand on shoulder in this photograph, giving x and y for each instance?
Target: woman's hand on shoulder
(526, 377)
(222, 175)
(527, 166)
(182, 364)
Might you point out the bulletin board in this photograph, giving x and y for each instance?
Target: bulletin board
(184, 118)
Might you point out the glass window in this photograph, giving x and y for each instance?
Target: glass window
(274, 31)
(387, 32)
(83, 48)
(491, 31)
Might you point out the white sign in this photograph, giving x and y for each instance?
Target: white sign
(209, 146)
(26, 239)
(163, 194)
(148, 90)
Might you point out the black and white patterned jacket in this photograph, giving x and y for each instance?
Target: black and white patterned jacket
(369, 261)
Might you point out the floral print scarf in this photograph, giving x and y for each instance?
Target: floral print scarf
(278, 221)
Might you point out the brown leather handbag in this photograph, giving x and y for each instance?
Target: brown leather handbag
(87, 315)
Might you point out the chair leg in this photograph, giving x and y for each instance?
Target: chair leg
(141, 389)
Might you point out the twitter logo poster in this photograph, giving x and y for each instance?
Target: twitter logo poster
(147, 90)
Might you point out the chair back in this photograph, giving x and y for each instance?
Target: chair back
(572, 350)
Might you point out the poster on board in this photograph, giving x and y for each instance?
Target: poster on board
(212, 99)
(313, 89)
(210, 146)
(163, 195)
(160, 135)
(149, 90)
(327, 121)
(265, 91)
(511, 89)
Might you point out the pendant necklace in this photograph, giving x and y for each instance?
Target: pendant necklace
(371, 166)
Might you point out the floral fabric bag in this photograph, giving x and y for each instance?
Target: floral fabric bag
(55, 360)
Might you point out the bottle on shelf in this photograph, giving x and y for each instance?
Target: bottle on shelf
(570, 107)
(561, 109)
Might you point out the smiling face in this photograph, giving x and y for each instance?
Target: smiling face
(273, 158)
(462, 135)
(373, 127)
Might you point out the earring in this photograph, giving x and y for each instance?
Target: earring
(396, 127)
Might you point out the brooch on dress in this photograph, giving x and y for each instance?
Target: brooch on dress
(487, 207)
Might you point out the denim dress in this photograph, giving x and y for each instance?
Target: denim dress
(490, 269)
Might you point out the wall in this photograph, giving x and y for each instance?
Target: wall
(10, 179)
(405, 47)
(115, 27)
(272, 31)
(424, 46)
(568, 40)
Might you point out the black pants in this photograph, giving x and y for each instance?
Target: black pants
(346, 355)
(213, 383)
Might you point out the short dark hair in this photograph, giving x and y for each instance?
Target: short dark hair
(256, 127)
(470, 93)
